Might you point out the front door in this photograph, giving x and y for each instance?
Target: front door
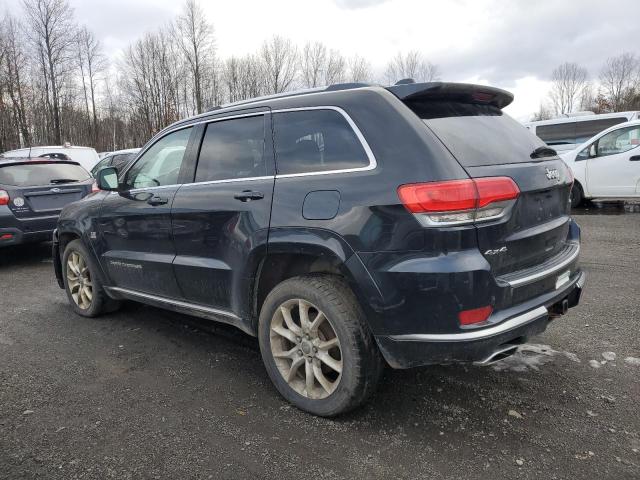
(135, 224)
(613, 170)
(221, 220)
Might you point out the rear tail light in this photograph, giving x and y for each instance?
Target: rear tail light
(94, 187)
(6, 236)
(4, 198)
(459, 202)
(476, 315)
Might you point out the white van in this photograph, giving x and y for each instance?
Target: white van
(566, 133)
(85, 156)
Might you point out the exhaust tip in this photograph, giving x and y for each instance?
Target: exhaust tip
(500, 354)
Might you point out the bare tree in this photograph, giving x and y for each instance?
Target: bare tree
(13, 64)
(411, 65)
(619, 78)
(195, 37)
(92, 64)
(336, 69)
(569, 81)
(51, 27)
(544, 113)
(359, 69)
(313, 64)
(280, 62)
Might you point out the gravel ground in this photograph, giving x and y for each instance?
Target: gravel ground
(150, 394)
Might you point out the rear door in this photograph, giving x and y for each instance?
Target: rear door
(221, 220)
(614, 170)
(135, 224)
(488, 143)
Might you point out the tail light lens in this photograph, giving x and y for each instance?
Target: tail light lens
(4, 198)
(94, 187)
(459, 202)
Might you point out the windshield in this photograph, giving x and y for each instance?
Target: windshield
(35, 174)
(478, 134)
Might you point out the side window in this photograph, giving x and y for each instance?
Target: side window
(618, 141)
(586, 130)
(558, 134)
(160, 165)
(315, 141)
(232, 149)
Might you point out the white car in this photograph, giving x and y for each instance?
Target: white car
(607, 166)
(85, 156)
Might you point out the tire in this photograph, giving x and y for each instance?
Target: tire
(577, 195)
(99, 302)
(358, 357)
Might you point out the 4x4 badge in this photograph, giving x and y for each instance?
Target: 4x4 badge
(552, 174)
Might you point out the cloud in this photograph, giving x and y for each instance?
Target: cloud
(354, 4)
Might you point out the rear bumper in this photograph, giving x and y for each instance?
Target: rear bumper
(16, 236)
(512, 326)
(24, 230)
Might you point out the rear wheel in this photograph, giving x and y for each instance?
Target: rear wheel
(82, 282)
(577, 195)
(316, 347)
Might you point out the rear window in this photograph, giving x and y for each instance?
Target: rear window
(35, 174)
(316, 141)
(477, 134)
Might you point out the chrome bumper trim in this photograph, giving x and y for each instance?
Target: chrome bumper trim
(481, 334)
(518, 282)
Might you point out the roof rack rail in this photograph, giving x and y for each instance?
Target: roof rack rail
(294, 93)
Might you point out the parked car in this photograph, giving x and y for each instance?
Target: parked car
(607, 166)
(85, 156)
(345, 228)
(32, 194)
(569, 131)
(118, 159)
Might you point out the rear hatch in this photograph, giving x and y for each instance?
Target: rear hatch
(42, 188)
(488, 143)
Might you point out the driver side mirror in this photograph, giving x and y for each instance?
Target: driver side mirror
(107, 179)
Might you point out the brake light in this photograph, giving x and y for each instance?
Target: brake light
(476, 315)
(4, 198)
(458, 202)
(94, 187)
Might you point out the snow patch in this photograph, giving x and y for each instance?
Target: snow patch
(632, 361)
(528, 357)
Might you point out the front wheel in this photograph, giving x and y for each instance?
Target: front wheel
(82, 282)
(316, 346)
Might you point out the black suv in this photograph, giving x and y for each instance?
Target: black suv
(345, 228)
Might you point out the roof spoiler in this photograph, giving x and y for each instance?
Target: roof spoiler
(460, 92)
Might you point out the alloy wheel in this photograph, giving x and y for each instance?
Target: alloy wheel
(79, 280)
(306, 349)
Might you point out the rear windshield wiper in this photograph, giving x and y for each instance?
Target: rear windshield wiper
(64, 180)
(541, 152)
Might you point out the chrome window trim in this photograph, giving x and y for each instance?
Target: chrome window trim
(229, 180)
(177, 303)
(502, 327)
(365, 145)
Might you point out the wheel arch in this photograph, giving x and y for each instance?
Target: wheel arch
(308, 251)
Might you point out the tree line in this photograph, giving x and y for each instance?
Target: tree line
(58, 85)
(616, 88)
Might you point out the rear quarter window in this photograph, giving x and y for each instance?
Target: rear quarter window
(316, 141)
(35, 174)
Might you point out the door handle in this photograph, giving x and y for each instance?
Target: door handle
(248, 195)
(157, 200)
(635, 158)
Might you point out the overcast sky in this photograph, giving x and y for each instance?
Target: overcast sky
(513, 44)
